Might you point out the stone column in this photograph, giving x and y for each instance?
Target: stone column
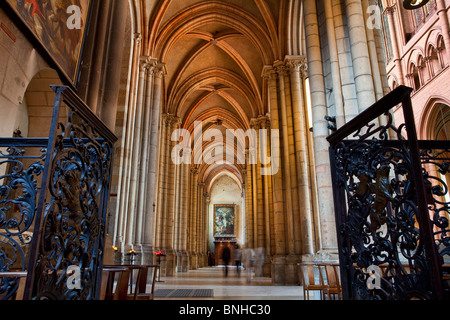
(267, 195)
(192, 223)
(93, 86)
(282, 72)
(260, 238)
(279, 226)
(373, 54)
(255, 214)
(348, 88)
(204, 238)
(177, 226)
(389, 11)
(328, 239)
(199, 224)
(125, 166)
(115, 50)
(169, 197)
(444, 22)
(148, 230)
(334, 64)
(183, 219)
(381, 55)
(365, 90)
(249, 202)
(265, 124)
(298, 69)
(159, 216)
(136, 153)
(142, 185)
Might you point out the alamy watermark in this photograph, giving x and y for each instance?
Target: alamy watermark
(74, 20)
(74, 278)
(374, 19)
(228, 149)
(374, 280)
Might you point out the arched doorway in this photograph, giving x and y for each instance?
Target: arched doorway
(38, 103)
(435, 121)
(21, 167)
(225, 228)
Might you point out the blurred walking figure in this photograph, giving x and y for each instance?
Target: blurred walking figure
(260, 254)
(226, 256)
(237, 259)
(248, 258)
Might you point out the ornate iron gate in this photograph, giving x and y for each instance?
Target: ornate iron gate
(391, 204)
(53, 204)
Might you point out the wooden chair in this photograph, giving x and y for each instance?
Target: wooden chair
(309, 281)
(108, 281)
(22, 276)
(140, 291)
(333, 283)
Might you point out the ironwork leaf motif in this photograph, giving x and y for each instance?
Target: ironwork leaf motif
(73, 224)
(380, 226)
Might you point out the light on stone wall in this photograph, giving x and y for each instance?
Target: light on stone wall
(414, 4)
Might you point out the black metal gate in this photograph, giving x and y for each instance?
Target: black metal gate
(53, 204)
(391, 205)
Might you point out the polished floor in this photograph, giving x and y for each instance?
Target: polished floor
(232, 287)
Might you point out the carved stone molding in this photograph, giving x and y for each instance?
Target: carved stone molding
(297, 64)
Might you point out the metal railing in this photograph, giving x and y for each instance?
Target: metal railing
(53, 203)
(391, 205)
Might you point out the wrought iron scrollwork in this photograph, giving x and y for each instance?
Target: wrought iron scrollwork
(436, 163)
(74, 218)
(18, 202)
(377, 212)
(53, 205)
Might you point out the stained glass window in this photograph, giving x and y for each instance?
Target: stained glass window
(387, 34)
(422, 14)
(420, 17)
(430, 7)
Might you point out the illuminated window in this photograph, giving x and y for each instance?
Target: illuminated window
(386, 34)
(422, 14)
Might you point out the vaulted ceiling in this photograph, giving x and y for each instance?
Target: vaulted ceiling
(215, 52)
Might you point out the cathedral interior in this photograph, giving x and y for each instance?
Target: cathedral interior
(183, 134)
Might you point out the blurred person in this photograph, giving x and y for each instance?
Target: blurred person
(248, 258)
(260, 254)
(226, 256)
(237, 259)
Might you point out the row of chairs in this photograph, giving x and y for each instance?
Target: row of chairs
(325, 278)
(117, 282)
(322, 277)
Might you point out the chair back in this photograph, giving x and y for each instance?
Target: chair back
(20, 277)
(332, 275)
(108, 281)
(307, 274)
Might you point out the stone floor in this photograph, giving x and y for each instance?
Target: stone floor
(232, 287)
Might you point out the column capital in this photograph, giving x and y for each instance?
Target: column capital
(390, 10)
(171, 120)
(268, 72)
(194, 170)
(143, 63)
(137, 38)
(280, 68)
(261, 122)
(297, 64)
(254, 123)
(160, 70)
